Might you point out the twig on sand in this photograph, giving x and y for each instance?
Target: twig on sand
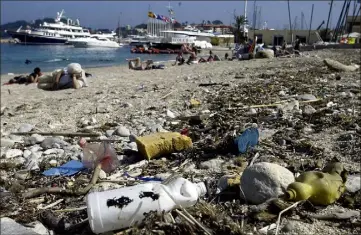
(65, 134)
(254, 159)
(195, 221)
(51, 205)
(279, 216)
(70, 209)
(168, 94)
(58, 190)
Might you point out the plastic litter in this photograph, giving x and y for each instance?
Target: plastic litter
(121, 208)
(68, 169)
(249, 138)
(320, 188)
(94, 153)
(143, 178)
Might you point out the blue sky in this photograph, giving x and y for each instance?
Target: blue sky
(105, 14)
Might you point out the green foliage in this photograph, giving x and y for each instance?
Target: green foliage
(215, 41)
(217, 22)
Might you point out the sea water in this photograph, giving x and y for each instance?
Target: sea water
(50, 57)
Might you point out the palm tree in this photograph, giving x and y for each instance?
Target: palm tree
(238, 33)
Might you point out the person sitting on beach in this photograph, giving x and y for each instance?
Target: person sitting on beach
(31, 78)
(210, 58)
(193, 57)
(73, 76)
(137, 64)
(179, 59)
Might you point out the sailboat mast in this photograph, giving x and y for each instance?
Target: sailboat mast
(245, 17)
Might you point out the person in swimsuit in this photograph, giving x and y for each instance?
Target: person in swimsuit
(31, 78)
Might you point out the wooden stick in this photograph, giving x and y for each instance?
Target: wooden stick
(50, 205)
(70, 209)
(75, 192)
(185, 217)
(167, 94)
(65, 134)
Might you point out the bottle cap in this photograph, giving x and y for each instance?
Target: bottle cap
(201, 188)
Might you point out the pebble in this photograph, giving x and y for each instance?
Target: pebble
(132, 138)
(282, 93)
(26, 127)
(109, 133)
(53, 162)
(11, 153)
(309, 110)
(289, 227)
(7, 143)
(32, 162)
(214, 165)
(133, 146)
(306, 97)
(353, 183)
(122, 131)
(38, 138)
(170, 114)
(16, 138)
(52, 142)
(9, 226)
(263, 181)
(22, 175)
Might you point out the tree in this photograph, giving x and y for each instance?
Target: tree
(217, 22)
(238, 33)
(209, 22)
(141, 26)
(177, 25)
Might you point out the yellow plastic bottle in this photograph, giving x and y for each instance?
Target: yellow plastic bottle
(320, 188)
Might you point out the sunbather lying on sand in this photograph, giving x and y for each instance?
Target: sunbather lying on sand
(210, 58)
(137, 64)
(31, 78)
(73, 76)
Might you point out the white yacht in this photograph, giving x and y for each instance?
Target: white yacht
(51, 33)
(110, 36)
(95, 42)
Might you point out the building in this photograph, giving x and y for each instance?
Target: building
(353, 26)
(277, 37)
(222, 29)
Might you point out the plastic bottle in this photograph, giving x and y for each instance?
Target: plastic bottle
(319, 188)
(121, 208)
(94, 153)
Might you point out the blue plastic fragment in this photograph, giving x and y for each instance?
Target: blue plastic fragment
(248, 139)
(68, 169)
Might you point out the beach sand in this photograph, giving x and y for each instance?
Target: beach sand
(135, 98)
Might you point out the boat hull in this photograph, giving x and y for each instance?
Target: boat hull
(29, 39)
(94, 45)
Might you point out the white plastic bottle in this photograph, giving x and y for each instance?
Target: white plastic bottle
(122, 208)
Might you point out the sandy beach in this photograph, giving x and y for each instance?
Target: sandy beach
(140, 99)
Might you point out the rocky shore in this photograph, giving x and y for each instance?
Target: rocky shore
(307, 115)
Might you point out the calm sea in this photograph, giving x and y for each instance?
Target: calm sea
(52, 57)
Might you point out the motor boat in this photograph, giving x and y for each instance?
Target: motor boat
(95, 42)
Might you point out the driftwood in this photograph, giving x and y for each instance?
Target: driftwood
(65, 134)
(58, 190)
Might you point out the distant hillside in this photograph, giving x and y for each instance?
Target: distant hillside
(15, 25)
